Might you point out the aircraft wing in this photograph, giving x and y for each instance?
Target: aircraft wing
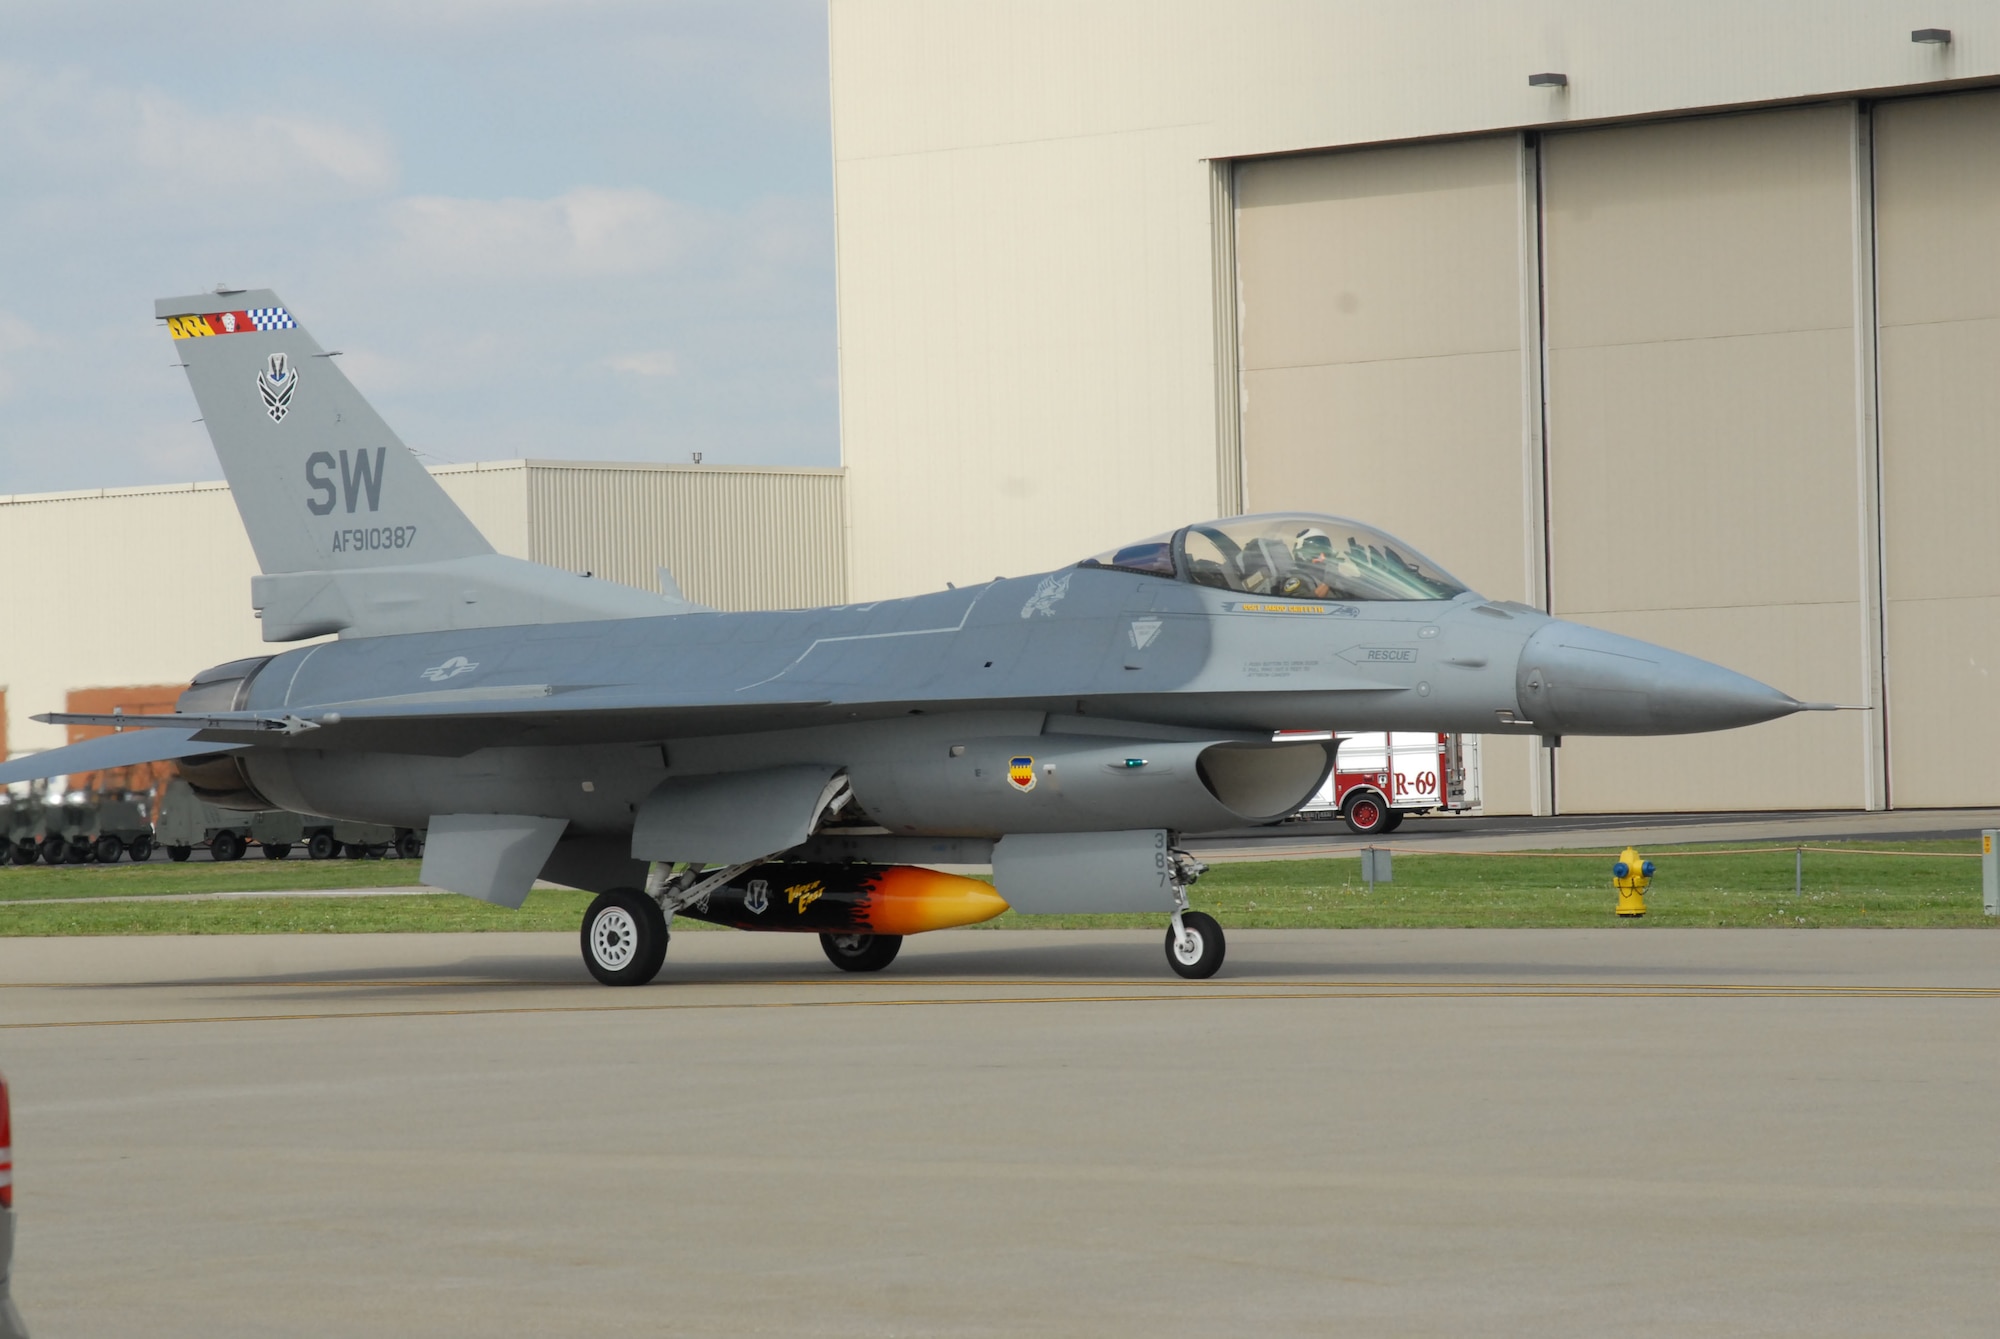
(121, 750)
(451, 724)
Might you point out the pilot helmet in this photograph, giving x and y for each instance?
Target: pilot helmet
(1312, 545)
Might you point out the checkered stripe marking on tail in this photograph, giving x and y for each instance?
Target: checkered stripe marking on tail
(272, 318)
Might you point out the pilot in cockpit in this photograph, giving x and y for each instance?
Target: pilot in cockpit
(1312, 552)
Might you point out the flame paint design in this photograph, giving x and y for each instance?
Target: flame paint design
(877, 899)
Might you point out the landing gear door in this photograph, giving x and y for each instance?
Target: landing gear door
(1054, 873)
(726, 818)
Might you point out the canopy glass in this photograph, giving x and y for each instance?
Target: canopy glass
(1292, 556)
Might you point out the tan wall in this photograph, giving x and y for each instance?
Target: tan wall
(1027, 323)
(1704, 486)
(1938, 280)
(1003, 436)
(1381, 299)
(733, 538)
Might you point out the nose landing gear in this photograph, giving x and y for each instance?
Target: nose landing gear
(1195, 944)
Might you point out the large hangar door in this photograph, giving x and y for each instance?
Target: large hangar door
(1937, 183)
(1704, 456)
(1383, 308)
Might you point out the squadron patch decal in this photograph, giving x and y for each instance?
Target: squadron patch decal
(1021, 774)
(1047, 595)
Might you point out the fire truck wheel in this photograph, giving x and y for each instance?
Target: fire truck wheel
(861, 952)
(409, 846)
(322, 846)
(277, 850)
(226, 845)
(108, 849)
(179, 853)
(141, 849)
(55, 851)
(1365, 813)
(1393, 821)
(80, 851)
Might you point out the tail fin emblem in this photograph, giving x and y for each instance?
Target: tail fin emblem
(277, 382)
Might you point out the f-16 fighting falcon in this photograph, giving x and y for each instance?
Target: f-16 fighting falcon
(799, 770)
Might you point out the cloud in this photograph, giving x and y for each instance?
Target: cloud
(65, 133)
(591, 231)
(658, 363)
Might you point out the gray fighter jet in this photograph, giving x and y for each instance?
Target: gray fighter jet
(800, 770)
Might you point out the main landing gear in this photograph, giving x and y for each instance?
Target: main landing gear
(626, 930)
(861, 952)
(1195, 945)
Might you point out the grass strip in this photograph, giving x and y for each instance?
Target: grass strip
(1927, 884)
(21, 883)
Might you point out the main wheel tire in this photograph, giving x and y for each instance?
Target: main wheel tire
(1196, 953)
(141, 849)
(1365, 813)
(55, 851)
(179, 853)
(322, 846)
(108, 849)
(409, 846)
(1393, 821)
(624, 938)
(225, 845)
(277, 850)
(861, 952)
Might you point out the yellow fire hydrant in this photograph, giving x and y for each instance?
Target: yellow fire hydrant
(1631, 875)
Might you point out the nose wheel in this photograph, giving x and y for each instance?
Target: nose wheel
(1195, 945)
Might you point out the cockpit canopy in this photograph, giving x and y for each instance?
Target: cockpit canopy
(1288, 556)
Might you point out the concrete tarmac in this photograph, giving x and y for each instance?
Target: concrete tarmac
(1568, 1132)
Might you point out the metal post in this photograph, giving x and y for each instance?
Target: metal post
(1798, 872)
(1375, 867)
(1990, 867)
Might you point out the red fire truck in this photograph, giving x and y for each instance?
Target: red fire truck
(1380, 778)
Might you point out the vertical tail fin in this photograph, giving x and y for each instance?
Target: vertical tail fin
(321, 481)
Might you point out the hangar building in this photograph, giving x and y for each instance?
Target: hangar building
(1682, 320)
(136, 589)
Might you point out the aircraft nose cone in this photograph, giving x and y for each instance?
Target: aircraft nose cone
(1578, 680)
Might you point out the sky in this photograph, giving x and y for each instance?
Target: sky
(544, 228)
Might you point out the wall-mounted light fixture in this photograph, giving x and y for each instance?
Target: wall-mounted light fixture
(1548, 81)
(1932, 36)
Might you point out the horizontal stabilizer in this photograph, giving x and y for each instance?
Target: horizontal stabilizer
(242, 722)
(95, 755)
